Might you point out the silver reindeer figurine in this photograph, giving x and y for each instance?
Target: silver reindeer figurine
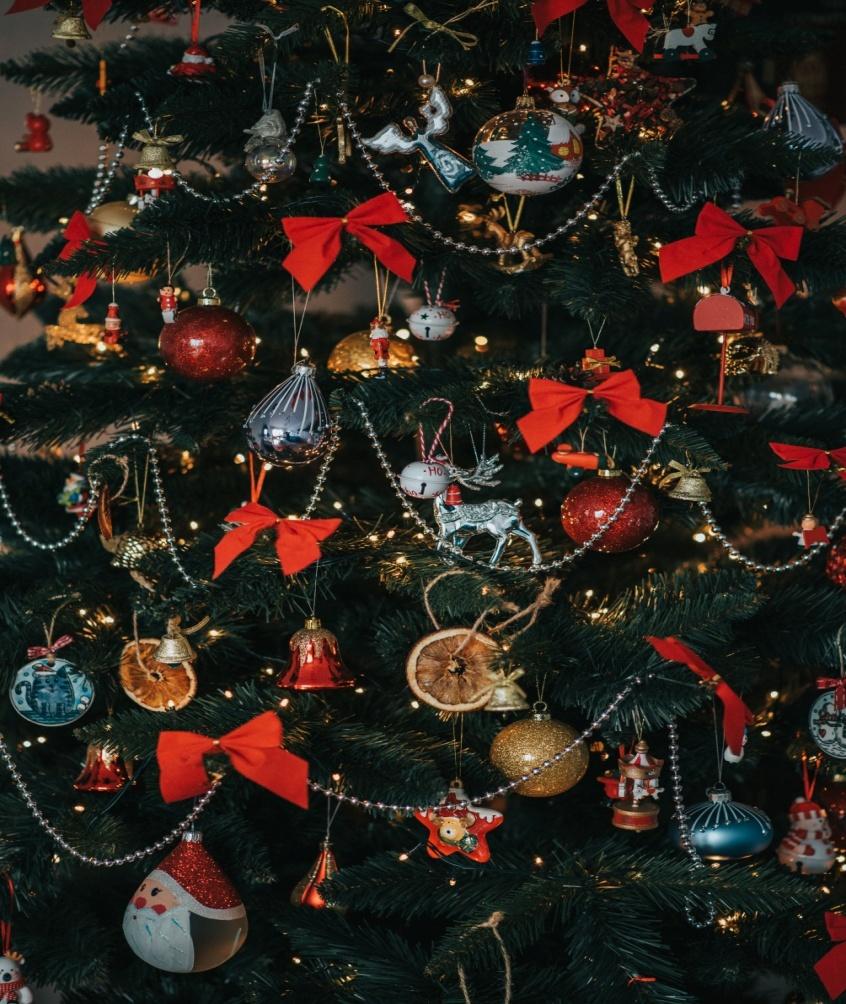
(459, 521)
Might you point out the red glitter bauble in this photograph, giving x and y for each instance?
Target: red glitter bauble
(207, 342)
(590, 504)
(835, 566)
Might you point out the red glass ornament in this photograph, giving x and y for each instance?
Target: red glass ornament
(835, 566)
(103, 770)
(307, 891)
(315, 662)
(36, 139)
(590, 504)
(207, 342)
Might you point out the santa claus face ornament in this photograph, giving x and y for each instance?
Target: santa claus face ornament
(186, 916)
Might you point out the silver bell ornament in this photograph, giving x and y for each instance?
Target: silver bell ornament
(291, 425)
(507, 694)
(724, 830)
(174, 647)
(268, 156)
(433, 322)
(796, 116)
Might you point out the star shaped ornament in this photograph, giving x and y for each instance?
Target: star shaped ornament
(454, 828)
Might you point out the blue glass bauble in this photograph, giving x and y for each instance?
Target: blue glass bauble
(724, 830)
(536, 56)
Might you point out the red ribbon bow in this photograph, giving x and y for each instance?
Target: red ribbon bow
(93, 10)
(716, 235)
(254, 750)
(296, 539)
(839, 685)
(556, 405)
(626, 14)
(41, 651)
(831, 968)
(808, 458)
(77, 232)
(316, 240)
(735, 713)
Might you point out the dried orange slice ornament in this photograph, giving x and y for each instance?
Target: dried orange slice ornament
(155, 685)
(453, 669)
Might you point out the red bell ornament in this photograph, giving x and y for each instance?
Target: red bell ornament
(589, 506)
(315, 662)
(207, 342)
(307, 891)
(103, 770)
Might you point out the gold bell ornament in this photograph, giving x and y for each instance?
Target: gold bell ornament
(507, 694)
(521, 751)
(154, 172)
(69, 26)
(174, 647)
(686, 483)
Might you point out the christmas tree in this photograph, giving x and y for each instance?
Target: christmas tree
(532, 153)
(344, 756)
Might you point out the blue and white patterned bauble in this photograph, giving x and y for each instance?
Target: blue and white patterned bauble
(51, 693)
(827, 725)
(424, 479)
(432, 323)
(724, 830)
(527, 151)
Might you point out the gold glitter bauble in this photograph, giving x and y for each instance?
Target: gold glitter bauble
(527, 743)
(354, 353)
(108, 218)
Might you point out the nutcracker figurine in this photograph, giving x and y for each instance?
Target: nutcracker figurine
(167, 303)
(112, 329)
(380, 331)
(636, 790)
(811, 532)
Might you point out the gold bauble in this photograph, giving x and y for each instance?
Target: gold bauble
(354, 353)
(528, 743)
(108, 218)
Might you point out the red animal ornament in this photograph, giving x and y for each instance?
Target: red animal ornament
(36, 139)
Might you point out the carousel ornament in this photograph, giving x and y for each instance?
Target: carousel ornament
(635, 792)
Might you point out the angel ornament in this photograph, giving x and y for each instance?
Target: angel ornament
(458, 521)
(451, 168)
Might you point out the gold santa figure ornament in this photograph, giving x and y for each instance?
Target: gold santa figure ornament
(635, 791)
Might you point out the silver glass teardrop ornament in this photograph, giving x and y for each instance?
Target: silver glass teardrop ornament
(290, 426)
(796, 116)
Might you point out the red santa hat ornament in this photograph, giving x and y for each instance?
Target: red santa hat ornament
(186, 916)
(196, 61)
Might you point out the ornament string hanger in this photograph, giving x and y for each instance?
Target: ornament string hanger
(297, 322)
(344, 144)
(624, 202)
(48, 651)
(594, 338)
(466, 39)
(809, 783)
(719, 740)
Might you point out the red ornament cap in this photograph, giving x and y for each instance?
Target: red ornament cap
(201, 879)
(453, 495)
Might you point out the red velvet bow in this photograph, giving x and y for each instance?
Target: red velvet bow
(77, 232)
(626, 14)
(41, 651)
(839, 685)
(716, 235)
(807, 458)
(93, 10)
(735, 713)
(831, 968)
(296, 539)
(254, 750)
(316, 240)
(556, 405)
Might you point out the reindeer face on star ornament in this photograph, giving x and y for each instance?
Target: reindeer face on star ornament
(456, 828)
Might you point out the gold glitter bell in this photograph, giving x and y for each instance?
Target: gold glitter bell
(130, 548)
(69, 26)
(751, 354)
(507, 694)
(686, 483)
(155, 155)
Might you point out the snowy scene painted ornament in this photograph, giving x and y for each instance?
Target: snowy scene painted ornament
(186, 916)
(527, 151)
(51, 692)
(432, 323)
(827, 719)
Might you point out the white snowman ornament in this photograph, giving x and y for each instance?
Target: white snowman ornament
(424, 479)
(432, 323)
(13, 988)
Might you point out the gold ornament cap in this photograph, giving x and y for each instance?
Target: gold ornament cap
(208, 298)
